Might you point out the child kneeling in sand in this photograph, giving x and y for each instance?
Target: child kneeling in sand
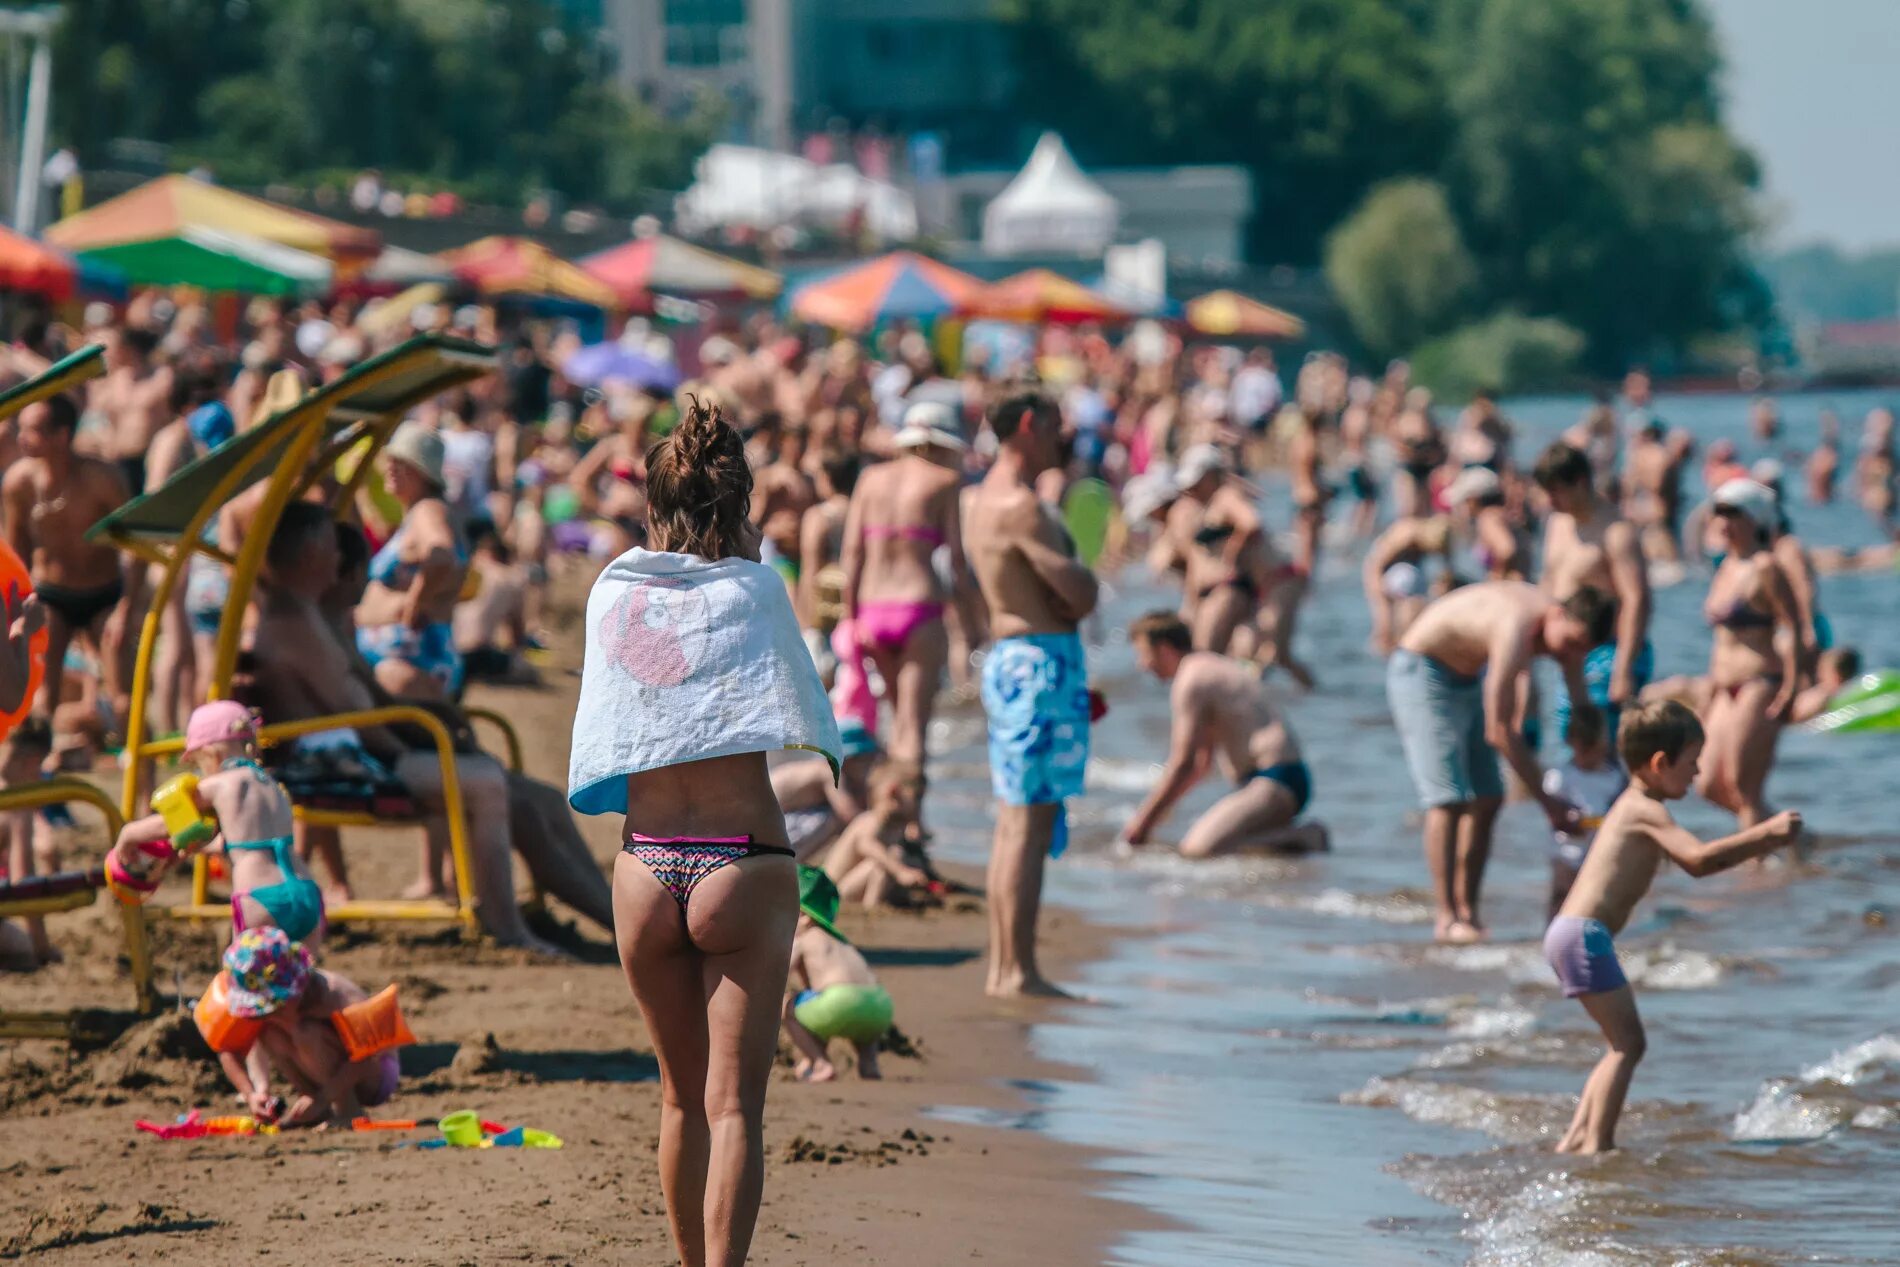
(1661, 743)
(273, 981)
(875, 862)
(841, 998)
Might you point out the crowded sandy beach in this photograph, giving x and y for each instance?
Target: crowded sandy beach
(784, 694)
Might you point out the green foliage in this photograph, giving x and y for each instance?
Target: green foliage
(495, 99)
(1399, 266)
(1591, 171)
(1579, 144)
(1506, 352)
(1318, 98)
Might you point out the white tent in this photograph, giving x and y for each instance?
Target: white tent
(761, 189)
(1050, 206)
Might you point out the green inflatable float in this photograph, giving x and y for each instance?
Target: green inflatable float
(1872, 703)
(1087, 510)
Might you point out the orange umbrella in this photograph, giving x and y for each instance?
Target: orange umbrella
(1041, 294)
(638, 268)
(522, 267)
(1226, 312)
(897, 286)
(27, 265)
(170, 205)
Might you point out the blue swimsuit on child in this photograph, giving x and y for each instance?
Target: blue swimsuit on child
(430, 648)
(295, 904)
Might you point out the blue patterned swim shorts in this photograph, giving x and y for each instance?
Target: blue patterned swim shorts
(1036, 693)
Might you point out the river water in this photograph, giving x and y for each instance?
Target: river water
(1279, 1060)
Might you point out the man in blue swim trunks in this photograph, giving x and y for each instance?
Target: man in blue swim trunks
(1035, 681)
(1221, 708)
(1587, 542)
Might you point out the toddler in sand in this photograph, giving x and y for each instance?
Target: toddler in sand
(269, 886)
(273, 981)
(1591, 780)
(1661, 742)
(874, 861)
(841, 998)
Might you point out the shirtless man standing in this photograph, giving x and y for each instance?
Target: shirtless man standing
(52, 496)
(1221, 708)
(1453, 686)
(135, 399)
(1587, 543)
(1035, 681)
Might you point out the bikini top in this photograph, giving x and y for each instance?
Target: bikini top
(277, 845)
(903, 532)
(389, 569)
(1739, 615)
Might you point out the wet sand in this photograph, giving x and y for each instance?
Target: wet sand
(857, 1171)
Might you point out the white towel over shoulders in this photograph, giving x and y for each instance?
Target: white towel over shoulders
(687, 660)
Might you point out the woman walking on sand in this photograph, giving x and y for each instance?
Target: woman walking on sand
(694, 670)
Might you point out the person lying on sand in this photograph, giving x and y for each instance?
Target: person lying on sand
(817, 808)
(873, 861)
(1661, 744)
(274, 981)
(1220, 707)
(841, 997)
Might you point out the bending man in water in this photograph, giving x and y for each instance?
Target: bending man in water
(1453, 685)
(1220, 706)
(1035, 682)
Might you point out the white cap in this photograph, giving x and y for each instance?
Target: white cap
(1144, 494)
(1757, 501)
(1472, 483)
(718, 350)
(930, 424)
(1197, 464)
(1766, 471)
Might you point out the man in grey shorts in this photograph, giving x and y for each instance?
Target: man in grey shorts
(1454, 687)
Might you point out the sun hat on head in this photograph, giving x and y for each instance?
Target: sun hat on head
(267, 971)
(818, 899)
(1146, 493)
(1473, 483)
(929, 424)
(1197, 464)
(220, 721)
(1746, 497)
(418, 446)
(1767, 471)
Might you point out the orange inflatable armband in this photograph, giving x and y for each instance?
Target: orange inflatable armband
(223, 1031)
(372, 1026)
(14, 576)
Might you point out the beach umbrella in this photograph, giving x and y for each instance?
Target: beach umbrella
(1228, 313)
(511, 267)
(211, 260)
(1040, 295)
(901, 285)
(668, 265)
(164, 208)
(26, 265)
(617, 363)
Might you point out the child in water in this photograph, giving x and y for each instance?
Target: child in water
(269, 885)
(841, 998)
(273, 981)
(873, 861)
(1661, 743)
(1591, 781)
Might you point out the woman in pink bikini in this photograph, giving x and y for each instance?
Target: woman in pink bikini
(694, 671)
(901, 512)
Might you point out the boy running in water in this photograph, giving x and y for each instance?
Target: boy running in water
(1660, 743)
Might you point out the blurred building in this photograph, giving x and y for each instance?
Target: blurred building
(1199, 214)
(789, 70)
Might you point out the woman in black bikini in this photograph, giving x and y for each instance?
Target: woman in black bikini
(1752, 675)
(1419, 448)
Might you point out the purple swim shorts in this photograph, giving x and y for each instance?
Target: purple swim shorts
(1583, 955)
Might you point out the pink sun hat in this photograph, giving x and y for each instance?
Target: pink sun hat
(220, 721)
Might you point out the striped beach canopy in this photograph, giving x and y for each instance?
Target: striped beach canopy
(900, 286)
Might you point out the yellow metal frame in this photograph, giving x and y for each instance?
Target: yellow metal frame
(138, 950)
(294, 474)
(510, 740)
